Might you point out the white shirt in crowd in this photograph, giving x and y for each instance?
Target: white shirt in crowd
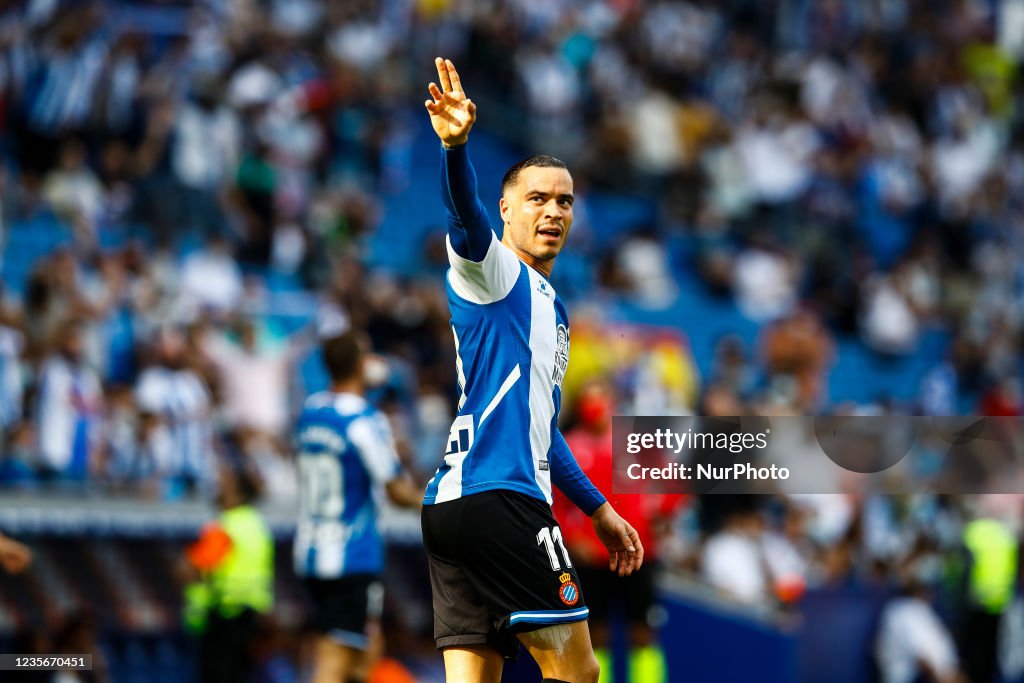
(911, 632)
(70, 401)
(182, 402)
(733, 562)
(254, 385)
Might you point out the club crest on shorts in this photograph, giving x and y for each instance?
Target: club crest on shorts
(569, 593)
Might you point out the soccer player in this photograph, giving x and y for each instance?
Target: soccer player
(346, 451)
(499, 570)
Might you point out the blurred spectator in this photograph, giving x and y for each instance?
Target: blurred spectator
(253, 376)
(210, 281)
(174, 396)
(889, 322)
(1002, 399)
(993, 569)
(732, 367)
(231, 568)
(12, 376)
(256, 182)
(787, 553)
(665, 381)
(205, 154)
(127, 460)
(70, 407)
(913, 643)
(799, 349)
(765, 283)
(60, 99)
(643, 262)
(733, 559)
(74, 191)
(107, 297)
(591, 443)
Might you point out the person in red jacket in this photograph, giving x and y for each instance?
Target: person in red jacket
(591, 442)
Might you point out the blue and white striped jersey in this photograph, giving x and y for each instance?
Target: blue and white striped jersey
(346, 453)
(181, 400)
(512, 346)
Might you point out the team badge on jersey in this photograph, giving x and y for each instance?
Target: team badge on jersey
(561, 356)
(569, 593)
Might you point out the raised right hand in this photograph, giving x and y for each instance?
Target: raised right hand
(452, 114)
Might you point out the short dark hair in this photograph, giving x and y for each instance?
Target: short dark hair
(541, 160)
(248, 486)
(342, 355)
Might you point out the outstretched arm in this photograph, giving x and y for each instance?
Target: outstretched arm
(452, 115)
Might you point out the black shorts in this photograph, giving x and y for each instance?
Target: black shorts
(497, 568)
(347, 610)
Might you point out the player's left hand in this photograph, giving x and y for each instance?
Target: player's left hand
(625, 551)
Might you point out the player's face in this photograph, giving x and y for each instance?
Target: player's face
(537, 211)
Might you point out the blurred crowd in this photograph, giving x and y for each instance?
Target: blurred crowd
(856, 165)
(837, 168)
(842, 167)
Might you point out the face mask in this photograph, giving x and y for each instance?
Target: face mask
(594, 410)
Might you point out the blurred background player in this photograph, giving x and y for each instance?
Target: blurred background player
(632, 597)
(346, 453)
(232, 567)
(499, 570)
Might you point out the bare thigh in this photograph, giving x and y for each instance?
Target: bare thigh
(563, 652)
(472, 664)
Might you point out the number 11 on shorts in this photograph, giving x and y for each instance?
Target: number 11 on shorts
(548, 536)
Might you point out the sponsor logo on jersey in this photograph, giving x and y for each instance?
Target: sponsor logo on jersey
(569, 593)
(561, 356)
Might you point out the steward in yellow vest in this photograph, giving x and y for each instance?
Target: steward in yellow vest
(993, 551)
(233, 566)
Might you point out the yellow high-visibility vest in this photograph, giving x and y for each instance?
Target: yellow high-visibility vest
(993, 574)
(243, 579)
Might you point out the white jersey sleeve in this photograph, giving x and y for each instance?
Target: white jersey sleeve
(372, 437)
(485, 281)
